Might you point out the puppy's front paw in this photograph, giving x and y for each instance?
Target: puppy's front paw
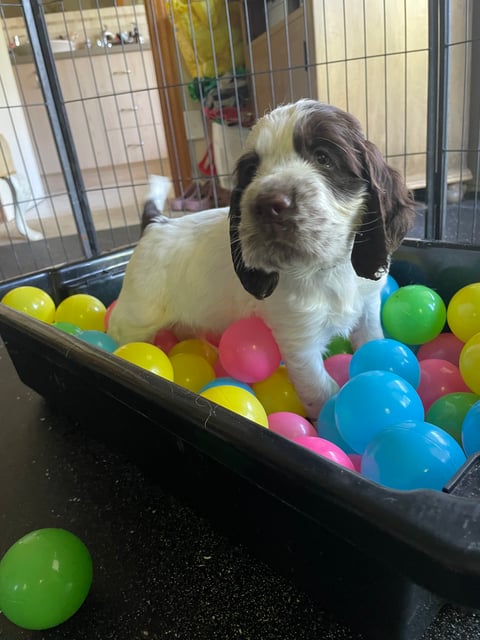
(123, 332)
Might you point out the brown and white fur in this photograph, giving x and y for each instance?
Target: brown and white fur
(306, 244)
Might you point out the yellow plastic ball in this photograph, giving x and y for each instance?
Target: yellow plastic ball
(469, 363)
(463, 312)
(239, 401)
(196, 346)
(277, 393)
(191, 371)
(147, 356)
(82, 310)
(33, 301)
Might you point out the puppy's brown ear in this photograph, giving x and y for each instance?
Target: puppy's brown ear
(258, 282)
(388, 216)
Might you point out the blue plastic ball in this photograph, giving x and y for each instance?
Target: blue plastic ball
(98, 339)
(389, 287)
(372, 401)
(412, 455)
(471, 430)
(386, 355)
(220, 382)
(327, 427)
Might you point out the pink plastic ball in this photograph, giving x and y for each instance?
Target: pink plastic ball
(248, 351)
(356, 459)
(326, 449)
(212, 338)
(165, 340)
(445, 346)
(106, 317)
(338, 367)
(290, 425)
(219, 370)
(437, 378)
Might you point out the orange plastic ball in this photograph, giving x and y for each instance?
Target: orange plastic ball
(82, 310)
(239, 401)
(147, 356)
(277, 393)
(463, 312)
(196, 346)
(469, 363)
(191, 371)
(33, 301)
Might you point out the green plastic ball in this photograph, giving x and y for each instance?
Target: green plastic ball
(44, 578)
(414, 314)
(449, 411)
(67, 327)
(338, 345)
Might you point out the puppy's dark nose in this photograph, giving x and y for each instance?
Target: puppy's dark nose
(272, 205)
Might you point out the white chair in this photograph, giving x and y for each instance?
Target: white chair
(11, 206)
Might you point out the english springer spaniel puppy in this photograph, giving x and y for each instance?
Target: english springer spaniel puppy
(314, 218)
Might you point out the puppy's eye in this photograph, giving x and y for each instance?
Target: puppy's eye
(323, 159)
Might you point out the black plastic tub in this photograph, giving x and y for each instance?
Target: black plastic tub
(384, 559)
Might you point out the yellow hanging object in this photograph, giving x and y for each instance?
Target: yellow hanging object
(203, 29)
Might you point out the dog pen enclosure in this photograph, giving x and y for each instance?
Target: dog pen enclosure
(95, 96)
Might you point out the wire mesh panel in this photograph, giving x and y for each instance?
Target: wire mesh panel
(172, 88)
(458, 122)
(109, 96)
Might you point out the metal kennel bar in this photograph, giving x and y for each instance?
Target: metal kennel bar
(48, 80)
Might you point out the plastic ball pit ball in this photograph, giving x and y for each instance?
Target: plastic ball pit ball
(449, 411)
(437, 378)
(338, 367)
(469, 363)
(67, 327)
(463, 312)
(148, 357)
(98, 339)
(445, 346)
(277, 393)
(191, 371)
(412, 455)
(386, 355)
(226, 381)
(337, 346)
(389, 287)
(165, 340)
(108, 312)
(290, 425)
(356, 459)
(248, 351)
(471, 430)
(83, 310)
(44, 578)
(327, 426)
(33, 301)
(326, 449)
(239, 401)
(196, 346)
(414, 314)
(371, 402)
